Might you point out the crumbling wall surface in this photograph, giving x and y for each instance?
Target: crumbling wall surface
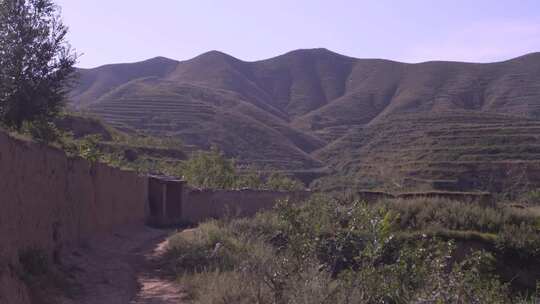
(48, 201)
(205, 204)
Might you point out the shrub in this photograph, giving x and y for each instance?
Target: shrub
(327, 252)
(532, 197)
(281, 182)
(42, 131)
(434, 214)
(209, 170)
(89, 148)
(251, 179)
(522, 239)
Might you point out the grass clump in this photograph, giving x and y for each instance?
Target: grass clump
(47, 282)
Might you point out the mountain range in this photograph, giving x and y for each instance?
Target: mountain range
(314, 110)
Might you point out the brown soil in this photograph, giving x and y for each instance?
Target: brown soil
(125, 268)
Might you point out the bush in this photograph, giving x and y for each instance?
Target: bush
(209, 170)
(251, 179)
(212, 247)
(281, 182)
(42, 131)
(89, 148)
(531, 197)
(327, 252)
(434, 214)
(522, 239)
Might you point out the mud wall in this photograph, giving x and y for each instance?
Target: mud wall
(48, 201)
(205, 204)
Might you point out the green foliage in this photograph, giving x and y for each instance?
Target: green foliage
(522, 239)
(251, 179)
(279, 181)
(511, 229)
(144, 140)
(426, 214)
(35, 62)
(209, 170)
(42, 131)
(149, 155)
(89, 148)
(327, 252)
(532, 197)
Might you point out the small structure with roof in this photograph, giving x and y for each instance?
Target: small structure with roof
(165, 198)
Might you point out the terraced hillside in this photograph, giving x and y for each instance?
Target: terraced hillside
(318, 111)
(445, 151)
(205, 117)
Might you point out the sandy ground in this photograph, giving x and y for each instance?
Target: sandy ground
(124, 268)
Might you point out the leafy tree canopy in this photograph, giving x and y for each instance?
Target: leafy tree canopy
(36, 61)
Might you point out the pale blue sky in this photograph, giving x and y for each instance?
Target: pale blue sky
(112, 31)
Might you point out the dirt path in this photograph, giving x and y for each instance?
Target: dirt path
(156, 285)
(124, 268)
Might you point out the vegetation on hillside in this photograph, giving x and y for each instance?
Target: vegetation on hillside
(36, 63)
(211, 169)
(329, 252)
(99, 143)
(165, 156)
(454, 151)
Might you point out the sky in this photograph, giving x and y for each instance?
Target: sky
(114, 31)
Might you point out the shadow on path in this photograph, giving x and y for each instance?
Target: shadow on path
(124, 268)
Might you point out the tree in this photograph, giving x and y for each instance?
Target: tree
(210, 170)
(36, 62)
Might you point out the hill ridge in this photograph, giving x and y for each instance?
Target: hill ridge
(531, 54)
(287, 107)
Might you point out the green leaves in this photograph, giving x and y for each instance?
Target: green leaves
(209, 170)
(89, 148)
(280, 181)
(36, 61)
(323, 252)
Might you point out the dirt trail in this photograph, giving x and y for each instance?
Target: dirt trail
(124, 268)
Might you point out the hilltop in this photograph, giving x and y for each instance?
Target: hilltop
(317, 110)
